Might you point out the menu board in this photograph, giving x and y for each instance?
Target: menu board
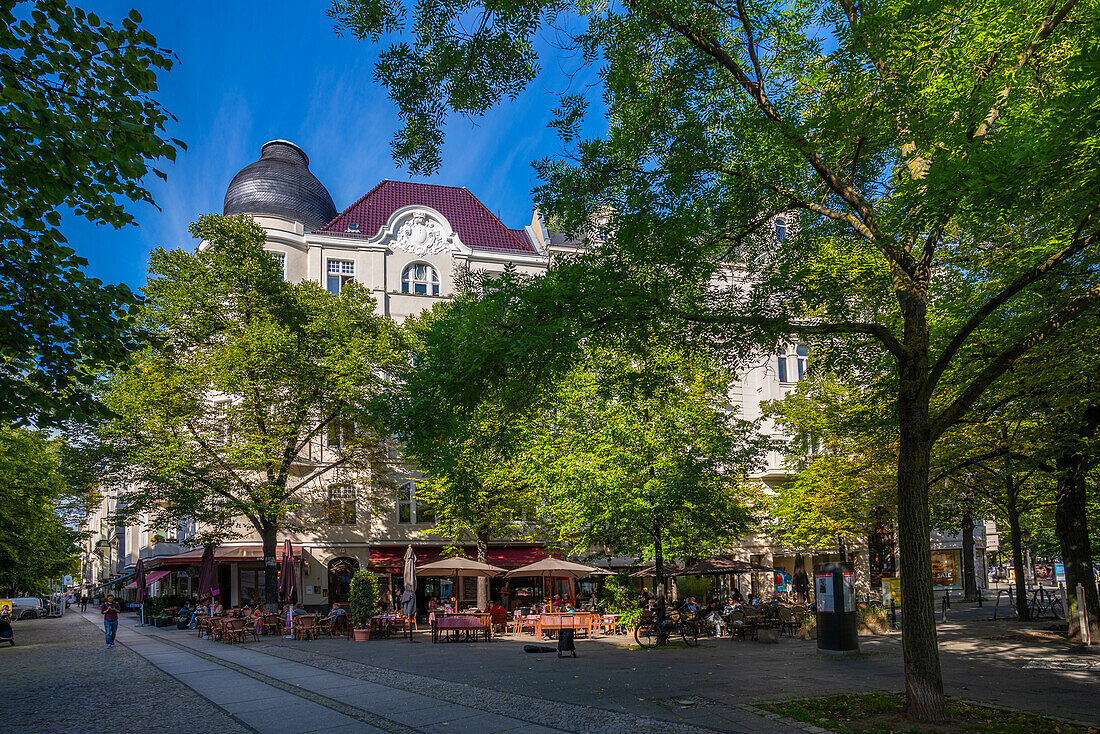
(823, 585)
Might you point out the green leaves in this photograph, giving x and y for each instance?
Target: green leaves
(234, 410)
(79, 129)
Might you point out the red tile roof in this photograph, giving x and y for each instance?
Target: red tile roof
(476, 226)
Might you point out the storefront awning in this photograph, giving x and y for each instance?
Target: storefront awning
(224, 554)
(149, 578)
(392, 558)
(124, 577)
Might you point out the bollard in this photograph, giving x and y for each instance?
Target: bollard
(893, 613)
(943, 605)
(980, 597)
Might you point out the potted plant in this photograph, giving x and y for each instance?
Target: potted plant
(362, 603)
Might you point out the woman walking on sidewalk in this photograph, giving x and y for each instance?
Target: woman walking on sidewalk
(110, 619)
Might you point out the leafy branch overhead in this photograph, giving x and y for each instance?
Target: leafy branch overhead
(80, 131)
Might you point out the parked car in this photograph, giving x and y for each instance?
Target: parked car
(27, 607)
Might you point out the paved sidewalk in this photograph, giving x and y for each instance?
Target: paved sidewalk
(307, 694)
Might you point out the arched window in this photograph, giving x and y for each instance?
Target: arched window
(420, 279)
(780, 228)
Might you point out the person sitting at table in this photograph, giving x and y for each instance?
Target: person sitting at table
(754, 600)
(716, 619)
(219, 609)
(386, 603)
(555, 603)
(256, 619)
(498, 615)
(298, 610)
(690, 607)
(451, 606)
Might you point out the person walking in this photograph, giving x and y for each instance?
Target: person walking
(109, 610)
(84, 601)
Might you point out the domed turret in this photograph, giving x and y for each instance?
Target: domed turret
(280, 184)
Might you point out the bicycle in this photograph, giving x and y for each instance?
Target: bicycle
(656, 633)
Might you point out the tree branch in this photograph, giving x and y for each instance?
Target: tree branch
(1012, 289)
(1006, 359)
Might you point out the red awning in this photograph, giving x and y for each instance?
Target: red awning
(149, 578)
(392, 558)
(225, 554)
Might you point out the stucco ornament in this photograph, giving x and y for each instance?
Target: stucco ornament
(420, 235)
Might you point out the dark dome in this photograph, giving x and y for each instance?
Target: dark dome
(280, 183)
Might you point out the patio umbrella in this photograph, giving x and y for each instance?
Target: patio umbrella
(208, 577)
(558, 568)
(408, 596)
(650, 571)
(139, 579)
(721, 567)
(288, 589)
(458, 568)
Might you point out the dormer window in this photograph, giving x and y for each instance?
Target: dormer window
(339, 273)
(420, 279)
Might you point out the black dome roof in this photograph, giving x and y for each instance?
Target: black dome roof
(280, 183)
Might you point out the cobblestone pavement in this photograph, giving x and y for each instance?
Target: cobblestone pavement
(60, 674)
(60, 677)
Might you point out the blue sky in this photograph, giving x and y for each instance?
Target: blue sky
(249, 72)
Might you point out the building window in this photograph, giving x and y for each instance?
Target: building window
(780, 228)
(280, 260)
(341, 433)
(781, 363)
(339, 273)
(420, 279)
(412, 510)
(801, 353)
(341, 505)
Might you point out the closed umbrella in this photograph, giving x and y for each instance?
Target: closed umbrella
(408, 596)
(139, 573)
(288, 590)
(208, 577)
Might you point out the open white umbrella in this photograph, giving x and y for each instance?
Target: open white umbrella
(558, 568)
(458, 568)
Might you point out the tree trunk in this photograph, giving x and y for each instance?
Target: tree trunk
(970, 582)
(924, 700)
(482, 557)
(1022, 610)
(270, 534)
(1073, 537)
(659, 562)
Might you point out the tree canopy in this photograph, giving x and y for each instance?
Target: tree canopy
(255, 399)
(80, 130)
(940, 163)
(37, 543)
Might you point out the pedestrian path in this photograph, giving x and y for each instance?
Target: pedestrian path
(270, 693)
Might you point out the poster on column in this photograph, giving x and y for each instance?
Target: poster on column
(849, 591)
(823, 585)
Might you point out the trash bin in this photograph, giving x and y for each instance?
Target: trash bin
(835, 585)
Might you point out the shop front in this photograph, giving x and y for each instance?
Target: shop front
(389, 563)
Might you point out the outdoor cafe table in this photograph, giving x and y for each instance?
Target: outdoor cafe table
(466, 622)
(383, 624)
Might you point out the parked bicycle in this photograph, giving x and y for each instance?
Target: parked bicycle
(657, 632)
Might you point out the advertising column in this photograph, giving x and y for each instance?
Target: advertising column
(835, 584)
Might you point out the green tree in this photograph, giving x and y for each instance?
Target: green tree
(466, 434)
(941, 164)
(37, 542)
(79, 132)
(841, 451)
(637, 452)
(255, 399)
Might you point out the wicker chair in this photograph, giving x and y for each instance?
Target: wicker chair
(203, 623)
(237, 630)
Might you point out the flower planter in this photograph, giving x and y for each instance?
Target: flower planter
(160, 621)
(361, 635)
